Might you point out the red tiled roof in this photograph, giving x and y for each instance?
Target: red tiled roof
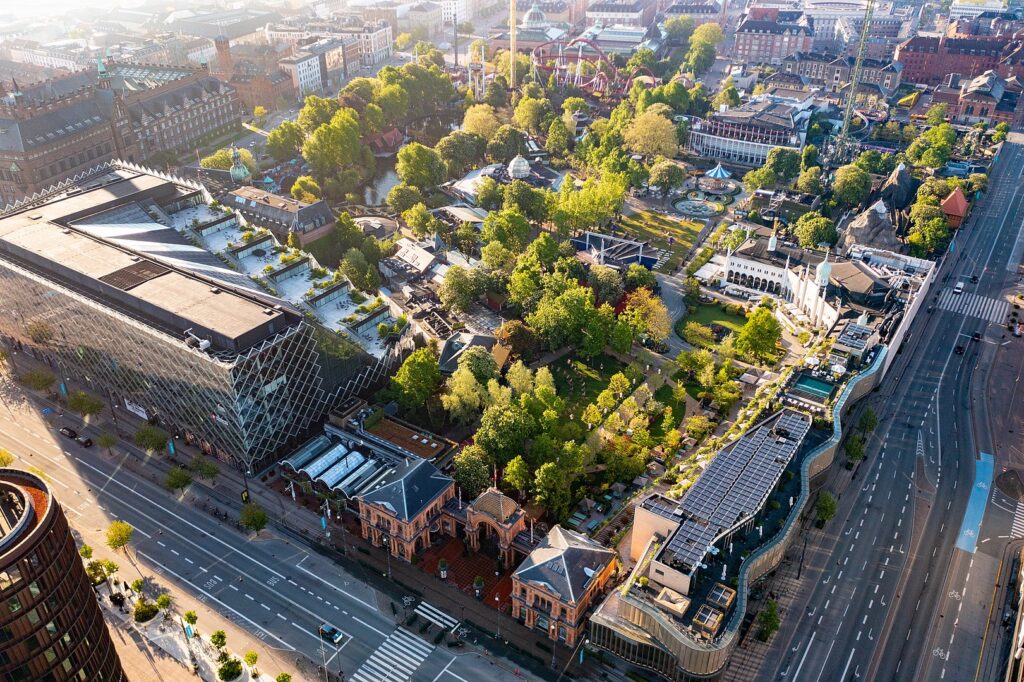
(955, 204)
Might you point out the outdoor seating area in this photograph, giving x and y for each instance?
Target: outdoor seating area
(464, 566)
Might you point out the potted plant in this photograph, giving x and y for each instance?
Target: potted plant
(442, 566)
(478, 585)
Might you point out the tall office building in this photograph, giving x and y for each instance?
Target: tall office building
(97, 280)
(51, 627)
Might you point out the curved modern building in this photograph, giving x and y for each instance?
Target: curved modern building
(51, 627)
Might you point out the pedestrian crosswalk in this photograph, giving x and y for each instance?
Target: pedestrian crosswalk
(973, 305)
(1018, 522)
(395, 660)
(436, 616)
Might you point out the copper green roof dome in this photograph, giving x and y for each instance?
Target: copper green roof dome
(534, 18)
(239, 171)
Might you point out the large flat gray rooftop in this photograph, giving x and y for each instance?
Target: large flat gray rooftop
(41, 238)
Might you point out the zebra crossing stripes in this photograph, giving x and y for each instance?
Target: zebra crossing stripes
(395, 660)
(1018, 522)
(973, 305)
(436, 616)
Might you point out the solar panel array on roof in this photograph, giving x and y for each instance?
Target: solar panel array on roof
(855, 336)
(735, 485)
(135, 274)
(738, 480)
(662, 506)
(690, 542)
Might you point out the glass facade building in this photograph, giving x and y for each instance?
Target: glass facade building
(238, 373)
(51, 627)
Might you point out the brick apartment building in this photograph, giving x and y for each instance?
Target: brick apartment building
(60, 128)
(265, 90)
(700, 11)
(769, 35)
(638, 13)
(929, 59)
(832, 72)
(57, 129)
(987, 98)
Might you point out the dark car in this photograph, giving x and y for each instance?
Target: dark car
(976, 336)
(974, 279)
(84, 441)
(68, 433)
(330, 633)
(959, 350)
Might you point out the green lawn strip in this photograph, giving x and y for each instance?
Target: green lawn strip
(709, 314)
(657, 228)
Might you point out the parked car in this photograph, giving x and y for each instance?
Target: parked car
(68, 433)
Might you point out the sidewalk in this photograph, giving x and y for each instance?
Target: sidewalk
(527, 649)
(164, 639)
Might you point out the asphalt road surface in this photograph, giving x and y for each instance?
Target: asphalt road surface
(276, 590)
(912, 556)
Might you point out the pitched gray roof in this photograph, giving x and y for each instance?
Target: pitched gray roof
(408, 488)
(565, 562)
(53, 126)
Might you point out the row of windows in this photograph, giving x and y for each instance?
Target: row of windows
(70, 162)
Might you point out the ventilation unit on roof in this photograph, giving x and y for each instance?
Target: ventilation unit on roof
(268, 311)
(65, 231)
(215, 290)
(204, 344)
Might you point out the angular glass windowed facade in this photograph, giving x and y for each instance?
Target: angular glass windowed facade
(248, 404)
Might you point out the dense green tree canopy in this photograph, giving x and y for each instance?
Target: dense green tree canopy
(652, 134)
(461, 150)
(812, 229)
(760, 334)
(852, 185)
(285, 141)
(507, 143)
(420, 166)
(418, 378)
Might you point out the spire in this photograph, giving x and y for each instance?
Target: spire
(824, 271)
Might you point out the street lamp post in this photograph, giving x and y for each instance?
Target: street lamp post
(387, 551)
(566, 667)
(323, 657)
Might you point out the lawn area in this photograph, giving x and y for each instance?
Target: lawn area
(711, 313)
(657, 228)
(578, 382)
(664, 396)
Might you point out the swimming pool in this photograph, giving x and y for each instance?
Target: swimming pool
(816, 387)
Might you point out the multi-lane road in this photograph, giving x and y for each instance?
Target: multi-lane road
(275, 590)
(903, 581)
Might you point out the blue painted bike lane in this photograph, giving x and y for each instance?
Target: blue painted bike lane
(967, 540)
